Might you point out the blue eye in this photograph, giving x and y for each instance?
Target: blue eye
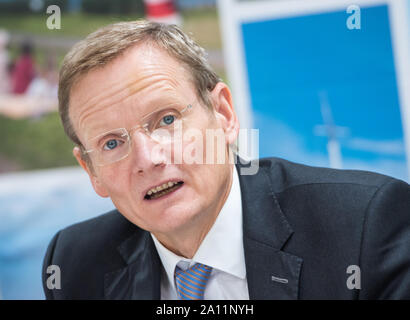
(167, 120)
(111, 144)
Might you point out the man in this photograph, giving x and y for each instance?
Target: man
(136, 96)
(23, 71)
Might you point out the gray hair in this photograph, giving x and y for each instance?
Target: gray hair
(107, 43)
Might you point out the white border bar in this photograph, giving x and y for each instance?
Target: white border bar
(234, 59)
(262, 10)
(400, 40)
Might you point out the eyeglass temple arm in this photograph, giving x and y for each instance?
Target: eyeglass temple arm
(189, 106)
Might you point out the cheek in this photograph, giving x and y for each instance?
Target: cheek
(116, 181)
(206, 145)
(208, 179)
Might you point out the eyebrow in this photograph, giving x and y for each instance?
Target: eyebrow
(105, 135)
(142, 120)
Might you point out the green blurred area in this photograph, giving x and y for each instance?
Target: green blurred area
(203, 24)
(71, 24)
(41, 143)
(35, 143)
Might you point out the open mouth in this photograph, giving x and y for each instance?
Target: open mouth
(162, 190)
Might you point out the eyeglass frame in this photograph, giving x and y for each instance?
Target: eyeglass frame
(128, 135)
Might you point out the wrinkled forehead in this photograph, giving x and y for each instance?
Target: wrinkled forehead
(131, 70)
(130, 86)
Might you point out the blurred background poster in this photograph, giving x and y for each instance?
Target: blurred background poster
(325, 82)
(42, 189)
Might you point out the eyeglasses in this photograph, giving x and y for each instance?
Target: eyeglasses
(115, 145)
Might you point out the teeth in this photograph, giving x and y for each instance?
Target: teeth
(161, 187)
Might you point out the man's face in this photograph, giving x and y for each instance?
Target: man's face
(118, 95)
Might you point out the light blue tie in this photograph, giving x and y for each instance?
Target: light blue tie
(191, 282)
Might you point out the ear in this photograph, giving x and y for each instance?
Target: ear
(98, 187)
(224, 111)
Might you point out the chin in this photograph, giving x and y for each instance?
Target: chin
(174, 219)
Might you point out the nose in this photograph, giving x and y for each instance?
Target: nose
(145, 153)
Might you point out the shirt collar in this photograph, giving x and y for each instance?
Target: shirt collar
(222, 247)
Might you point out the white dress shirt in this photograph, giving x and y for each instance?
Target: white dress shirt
(221, 249)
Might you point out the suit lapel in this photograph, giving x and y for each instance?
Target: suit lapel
(140, 278)
(271, 272)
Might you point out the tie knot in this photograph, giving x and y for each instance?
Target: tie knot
(191, 283)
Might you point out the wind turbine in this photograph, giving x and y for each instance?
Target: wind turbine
(331, 131)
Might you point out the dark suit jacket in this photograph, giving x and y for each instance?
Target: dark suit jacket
(303, 224)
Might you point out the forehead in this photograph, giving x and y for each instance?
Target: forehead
(126, 88)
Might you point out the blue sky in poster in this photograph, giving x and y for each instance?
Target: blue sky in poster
(290, 61)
